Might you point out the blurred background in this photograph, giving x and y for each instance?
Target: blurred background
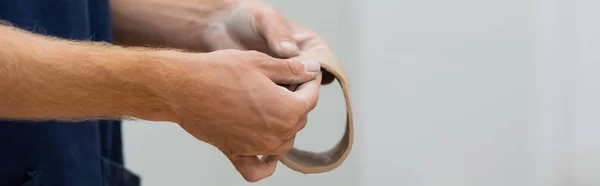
(453, 93)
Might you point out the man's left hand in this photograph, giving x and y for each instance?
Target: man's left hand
(209, 25)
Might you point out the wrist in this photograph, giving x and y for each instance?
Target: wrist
(151, 73)
(165, 77)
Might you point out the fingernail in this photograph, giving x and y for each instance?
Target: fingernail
(289, 46)
(311, 66)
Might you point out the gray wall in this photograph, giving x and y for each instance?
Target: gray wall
(445, 89)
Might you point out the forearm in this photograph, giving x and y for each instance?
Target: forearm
(142, 22)
(48, 78)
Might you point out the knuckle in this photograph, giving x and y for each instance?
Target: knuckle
(291, 121)
(290, 125)
(295, 67)
(260, 18)
(284, 128)
(259, 60)
(286, 148)
(270, 143)
(285, 122)
(302, 124)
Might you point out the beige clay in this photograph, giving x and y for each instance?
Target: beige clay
(318, 162)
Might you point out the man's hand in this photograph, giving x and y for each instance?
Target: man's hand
(254, 25)
(231, 100)
(209, 25)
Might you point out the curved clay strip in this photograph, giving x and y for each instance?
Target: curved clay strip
(318, 162)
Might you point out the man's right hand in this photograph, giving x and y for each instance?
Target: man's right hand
(231, 99)
(228, 98)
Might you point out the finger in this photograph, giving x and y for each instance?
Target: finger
(274, 28)
(254, 169)
(301, 124)
(284, 147)
(308, 93)
(290, 71)
(288, 144)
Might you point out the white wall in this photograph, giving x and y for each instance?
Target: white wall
(453, 93)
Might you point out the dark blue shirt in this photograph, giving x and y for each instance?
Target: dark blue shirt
(53, 153)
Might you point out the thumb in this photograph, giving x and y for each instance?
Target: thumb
(291, 71)
(254, 169)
